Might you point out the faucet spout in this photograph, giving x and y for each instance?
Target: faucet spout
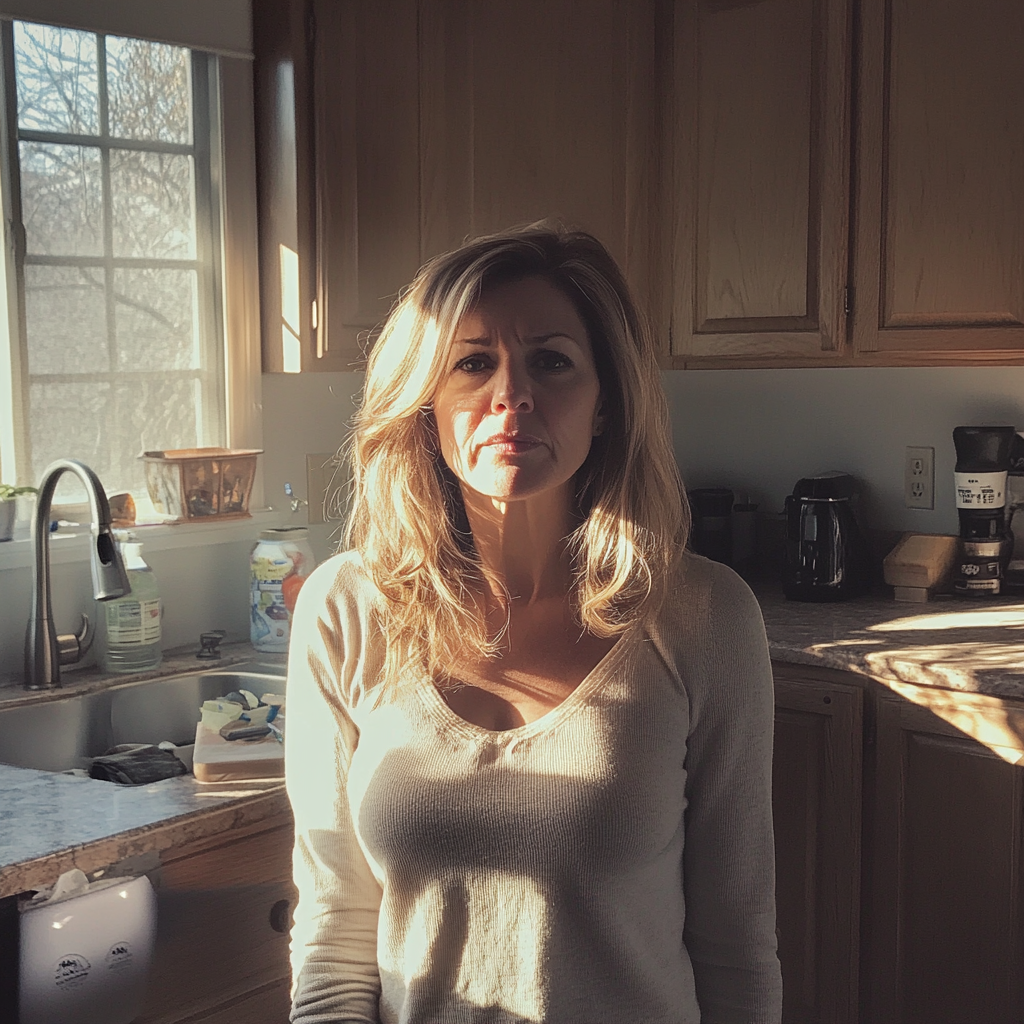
(45, 652)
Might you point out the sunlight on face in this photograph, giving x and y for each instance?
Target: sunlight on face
(519, 403)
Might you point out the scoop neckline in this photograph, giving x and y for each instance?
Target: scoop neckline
(442, 712)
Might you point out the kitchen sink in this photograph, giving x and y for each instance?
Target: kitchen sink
(61, 734)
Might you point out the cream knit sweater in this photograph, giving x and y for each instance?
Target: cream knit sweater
(611, 862)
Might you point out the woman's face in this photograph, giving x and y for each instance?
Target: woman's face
(519, 403)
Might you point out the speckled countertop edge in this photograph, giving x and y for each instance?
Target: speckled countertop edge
(960, 645)
(161, 816)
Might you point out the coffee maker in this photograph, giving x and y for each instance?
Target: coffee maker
(982, 464)
(826, 553)
(1013, 574)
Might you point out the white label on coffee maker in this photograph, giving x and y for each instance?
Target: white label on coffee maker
(980, 490)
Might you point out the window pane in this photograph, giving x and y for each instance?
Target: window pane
(108, 425)
(61, 199)
(57, 80)
(148, 91)
(152, 204)
(70, 421)
(155, 315)
(66, 319)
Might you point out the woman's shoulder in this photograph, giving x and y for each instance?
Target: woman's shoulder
(339, 587)
(706, 597)
(703, 579)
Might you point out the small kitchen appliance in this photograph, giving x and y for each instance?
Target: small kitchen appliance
(982, 463)
(1013, 574)
(711, 533)
(826, 553)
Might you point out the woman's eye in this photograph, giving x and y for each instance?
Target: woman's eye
(472, 364)
(550, 359)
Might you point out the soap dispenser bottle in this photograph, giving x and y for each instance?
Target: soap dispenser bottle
(130, 634)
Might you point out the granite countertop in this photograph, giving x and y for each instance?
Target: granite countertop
(51, 822)
(953, 643)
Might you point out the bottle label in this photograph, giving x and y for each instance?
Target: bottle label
(133, 622)
(980, 490)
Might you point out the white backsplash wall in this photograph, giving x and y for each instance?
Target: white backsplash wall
(304, 414)
(758, 431)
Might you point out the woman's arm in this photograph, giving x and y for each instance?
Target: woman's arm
(729, 853)
(334, 936)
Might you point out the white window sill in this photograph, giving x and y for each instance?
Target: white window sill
(72, 544)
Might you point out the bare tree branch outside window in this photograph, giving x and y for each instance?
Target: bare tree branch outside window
(116, 274)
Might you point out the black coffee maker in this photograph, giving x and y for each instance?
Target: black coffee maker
(982, 461)
(826, 554)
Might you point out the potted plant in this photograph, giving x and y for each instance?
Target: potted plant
(8, 507)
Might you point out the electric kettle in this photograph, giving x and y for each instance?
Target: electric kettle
(826, 553)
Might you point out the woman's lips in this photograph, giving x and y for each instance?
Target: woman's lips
(512, 444)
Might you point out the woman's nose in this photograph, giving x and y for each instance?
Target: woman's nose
(513, 391)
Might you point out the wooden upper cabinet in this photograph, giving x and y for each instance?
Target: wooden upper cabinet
(533, 109)
(367, 177)
(760, 181)
(939, 256)
(396, 129)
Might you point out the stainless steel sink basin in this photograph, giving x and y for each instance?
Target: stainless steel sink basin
(60, 734)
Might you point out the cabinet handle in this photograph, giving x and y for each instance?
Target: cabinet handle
(280, 916)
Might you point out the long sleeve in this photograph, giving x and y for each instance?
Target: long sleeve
(334, 937)
(729, 853)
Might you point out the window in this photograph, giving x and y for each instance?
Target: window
(117, 340)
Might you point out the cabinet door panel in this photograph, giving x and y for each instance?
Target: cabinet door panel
(215, 940)
(941, 239)
(761, 177)
(947, 936)
(366, 99)
(534, 110)
(816, 797)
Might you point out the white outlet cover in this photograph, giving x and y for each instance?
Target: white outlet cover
(919, 477)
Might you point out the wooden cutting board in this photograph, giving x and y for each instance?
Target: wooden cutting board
(219, 760)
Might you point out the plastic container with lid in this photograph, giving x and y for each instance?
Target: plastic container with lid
(279, 565)
(130, 634)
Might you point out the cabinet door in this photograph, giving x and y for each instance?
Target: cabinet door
(366, 143)
(939, 257)
(223, 918)
(817, 802)
(761, 180)
(533, 109)
(946, 942)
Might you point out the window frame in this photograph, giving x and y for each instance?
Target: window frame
(207, 262)
(232, 238)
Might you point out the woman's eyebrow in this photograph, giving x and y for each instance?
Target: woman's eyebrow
(536, 339)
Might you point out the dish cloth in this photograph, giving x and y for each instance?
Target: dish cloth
(135, 764)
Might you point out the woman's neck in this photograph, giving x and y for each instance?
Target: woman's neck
(522, 544)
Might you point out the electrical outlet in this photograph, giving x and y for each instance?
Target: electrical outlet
(919, 478)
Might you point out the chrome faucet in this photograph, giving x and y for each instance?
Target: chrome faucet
(45, 652)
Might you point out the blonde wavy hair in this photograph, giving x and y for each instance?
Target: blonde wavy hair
(406, 515)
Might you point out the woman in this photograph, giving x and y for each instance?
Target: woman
(529, 740)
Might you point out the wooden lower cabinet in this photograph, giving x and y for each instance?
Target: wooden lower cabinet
(899, 838)
(223, 916)
(817, 810)
(945, 944)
